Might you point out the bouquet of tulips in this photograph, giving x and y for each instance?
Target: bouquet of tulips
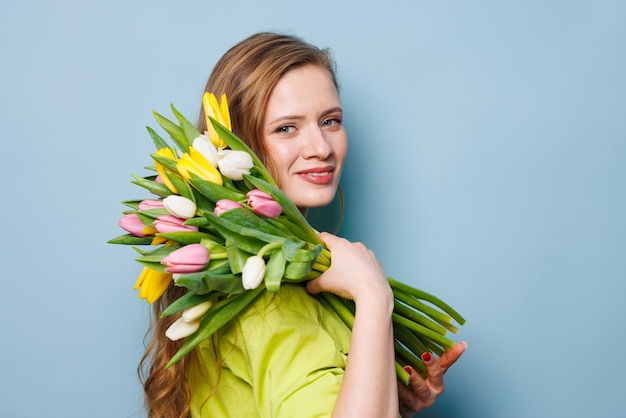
(219, 226)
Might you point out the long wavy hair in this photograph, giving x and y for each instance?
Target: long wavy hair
(247, 74)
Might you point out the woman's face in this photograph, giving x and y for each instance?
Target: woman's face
(304, 135)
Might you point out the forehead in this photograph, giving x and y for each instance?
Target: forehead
(303, 90)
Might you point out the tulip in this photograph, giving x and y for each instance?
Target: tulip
(153, 284)
(219, 112)
(224, 205)
(253, 272)
(205, 147)
(181, 329)
(132, 223)
(180, 206)
(167, 153)
(234, 164)
(191, 258)
(263, 204)
(196, 312)
(150, 204)
(170, 223)
(193, 163)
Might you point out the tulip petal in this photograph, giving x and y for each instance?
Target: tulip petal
(181, 329)
(194, 313)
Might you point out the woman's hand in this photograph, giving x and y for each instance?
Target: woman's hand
(354, 272)
(423, 392)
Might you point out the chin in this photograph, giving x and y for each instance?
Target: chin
(315, 199)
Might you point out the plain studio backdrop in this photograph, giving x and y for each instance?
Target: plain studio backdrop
(487, 166)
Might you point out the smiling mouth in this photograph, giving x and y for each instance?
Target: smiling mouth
(322, 175)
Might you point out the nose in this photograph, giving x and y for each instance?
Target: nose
(316, 144)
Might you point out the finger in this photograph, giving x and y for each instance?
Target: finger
(406, 397)
(435, 374)
(329, 239)
(419, 387)
(313, 286)
(450, 357)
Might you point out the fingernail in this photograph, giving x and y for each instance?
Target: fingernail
(426, 357)
(408, 369)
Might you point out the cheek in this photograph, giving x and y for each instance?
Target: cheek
(278, 163)
(341, 149)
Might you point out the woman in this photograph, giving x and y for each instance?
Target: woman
(285, 355)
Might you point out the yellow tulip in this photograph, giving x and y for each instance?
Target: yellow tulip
(167, 153)
(194, 163)
(219, 112)
(153, 284)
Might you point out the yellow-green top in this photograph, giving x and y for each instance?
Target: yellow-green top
(284, 356)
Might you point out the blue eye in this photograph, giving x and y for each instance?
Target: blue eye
(286, 129)
(331, 122)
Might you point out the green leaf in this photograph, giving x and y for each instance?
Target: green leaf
(218, 316)
(153, 265)
(274, 271)
(298, 270)
(158, 141)
(157, 255)
(229, 284)
(187, 127)
(175, 131)
(165, 162)
(236, 256)
(132, 203)
(158, 189)
(215, 192)
(224, 223)
(248, 219)
(294, 252)
(188, 300)
(289, 227)
(184, 189)
(153, 213)
(186, 238)
(130, 239)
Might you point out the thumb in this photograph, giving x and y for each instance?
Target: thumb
(313, 286)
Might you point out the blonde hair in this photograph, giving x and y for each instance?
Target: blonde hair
(247, 74)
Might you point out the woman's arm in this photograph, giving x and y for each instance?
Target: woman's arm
(369, 387)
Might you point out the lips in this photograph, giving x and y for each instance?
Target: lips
(317, 175)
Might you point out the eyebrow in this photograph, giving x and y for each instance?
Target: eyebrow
(299, 117)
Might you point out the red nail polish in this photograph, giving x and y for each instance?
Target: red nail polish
(426, 356)
(408, 370)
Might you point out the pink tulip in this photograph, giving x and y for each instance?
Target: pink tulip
(191, 258)
(150, 204)
(132, 224)
(263, 204)
(171, 223)
(224, 205)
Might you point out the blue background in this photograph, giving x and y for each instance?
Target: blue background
(487, 166)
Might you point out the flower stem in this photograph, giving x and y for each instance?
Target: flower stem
(420, 294)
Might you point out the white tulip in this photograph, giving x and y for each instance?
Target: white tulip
(253, 272)
(180, 206)
(181, 329)
(195, 312)
(234, 164)
(204, 146)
